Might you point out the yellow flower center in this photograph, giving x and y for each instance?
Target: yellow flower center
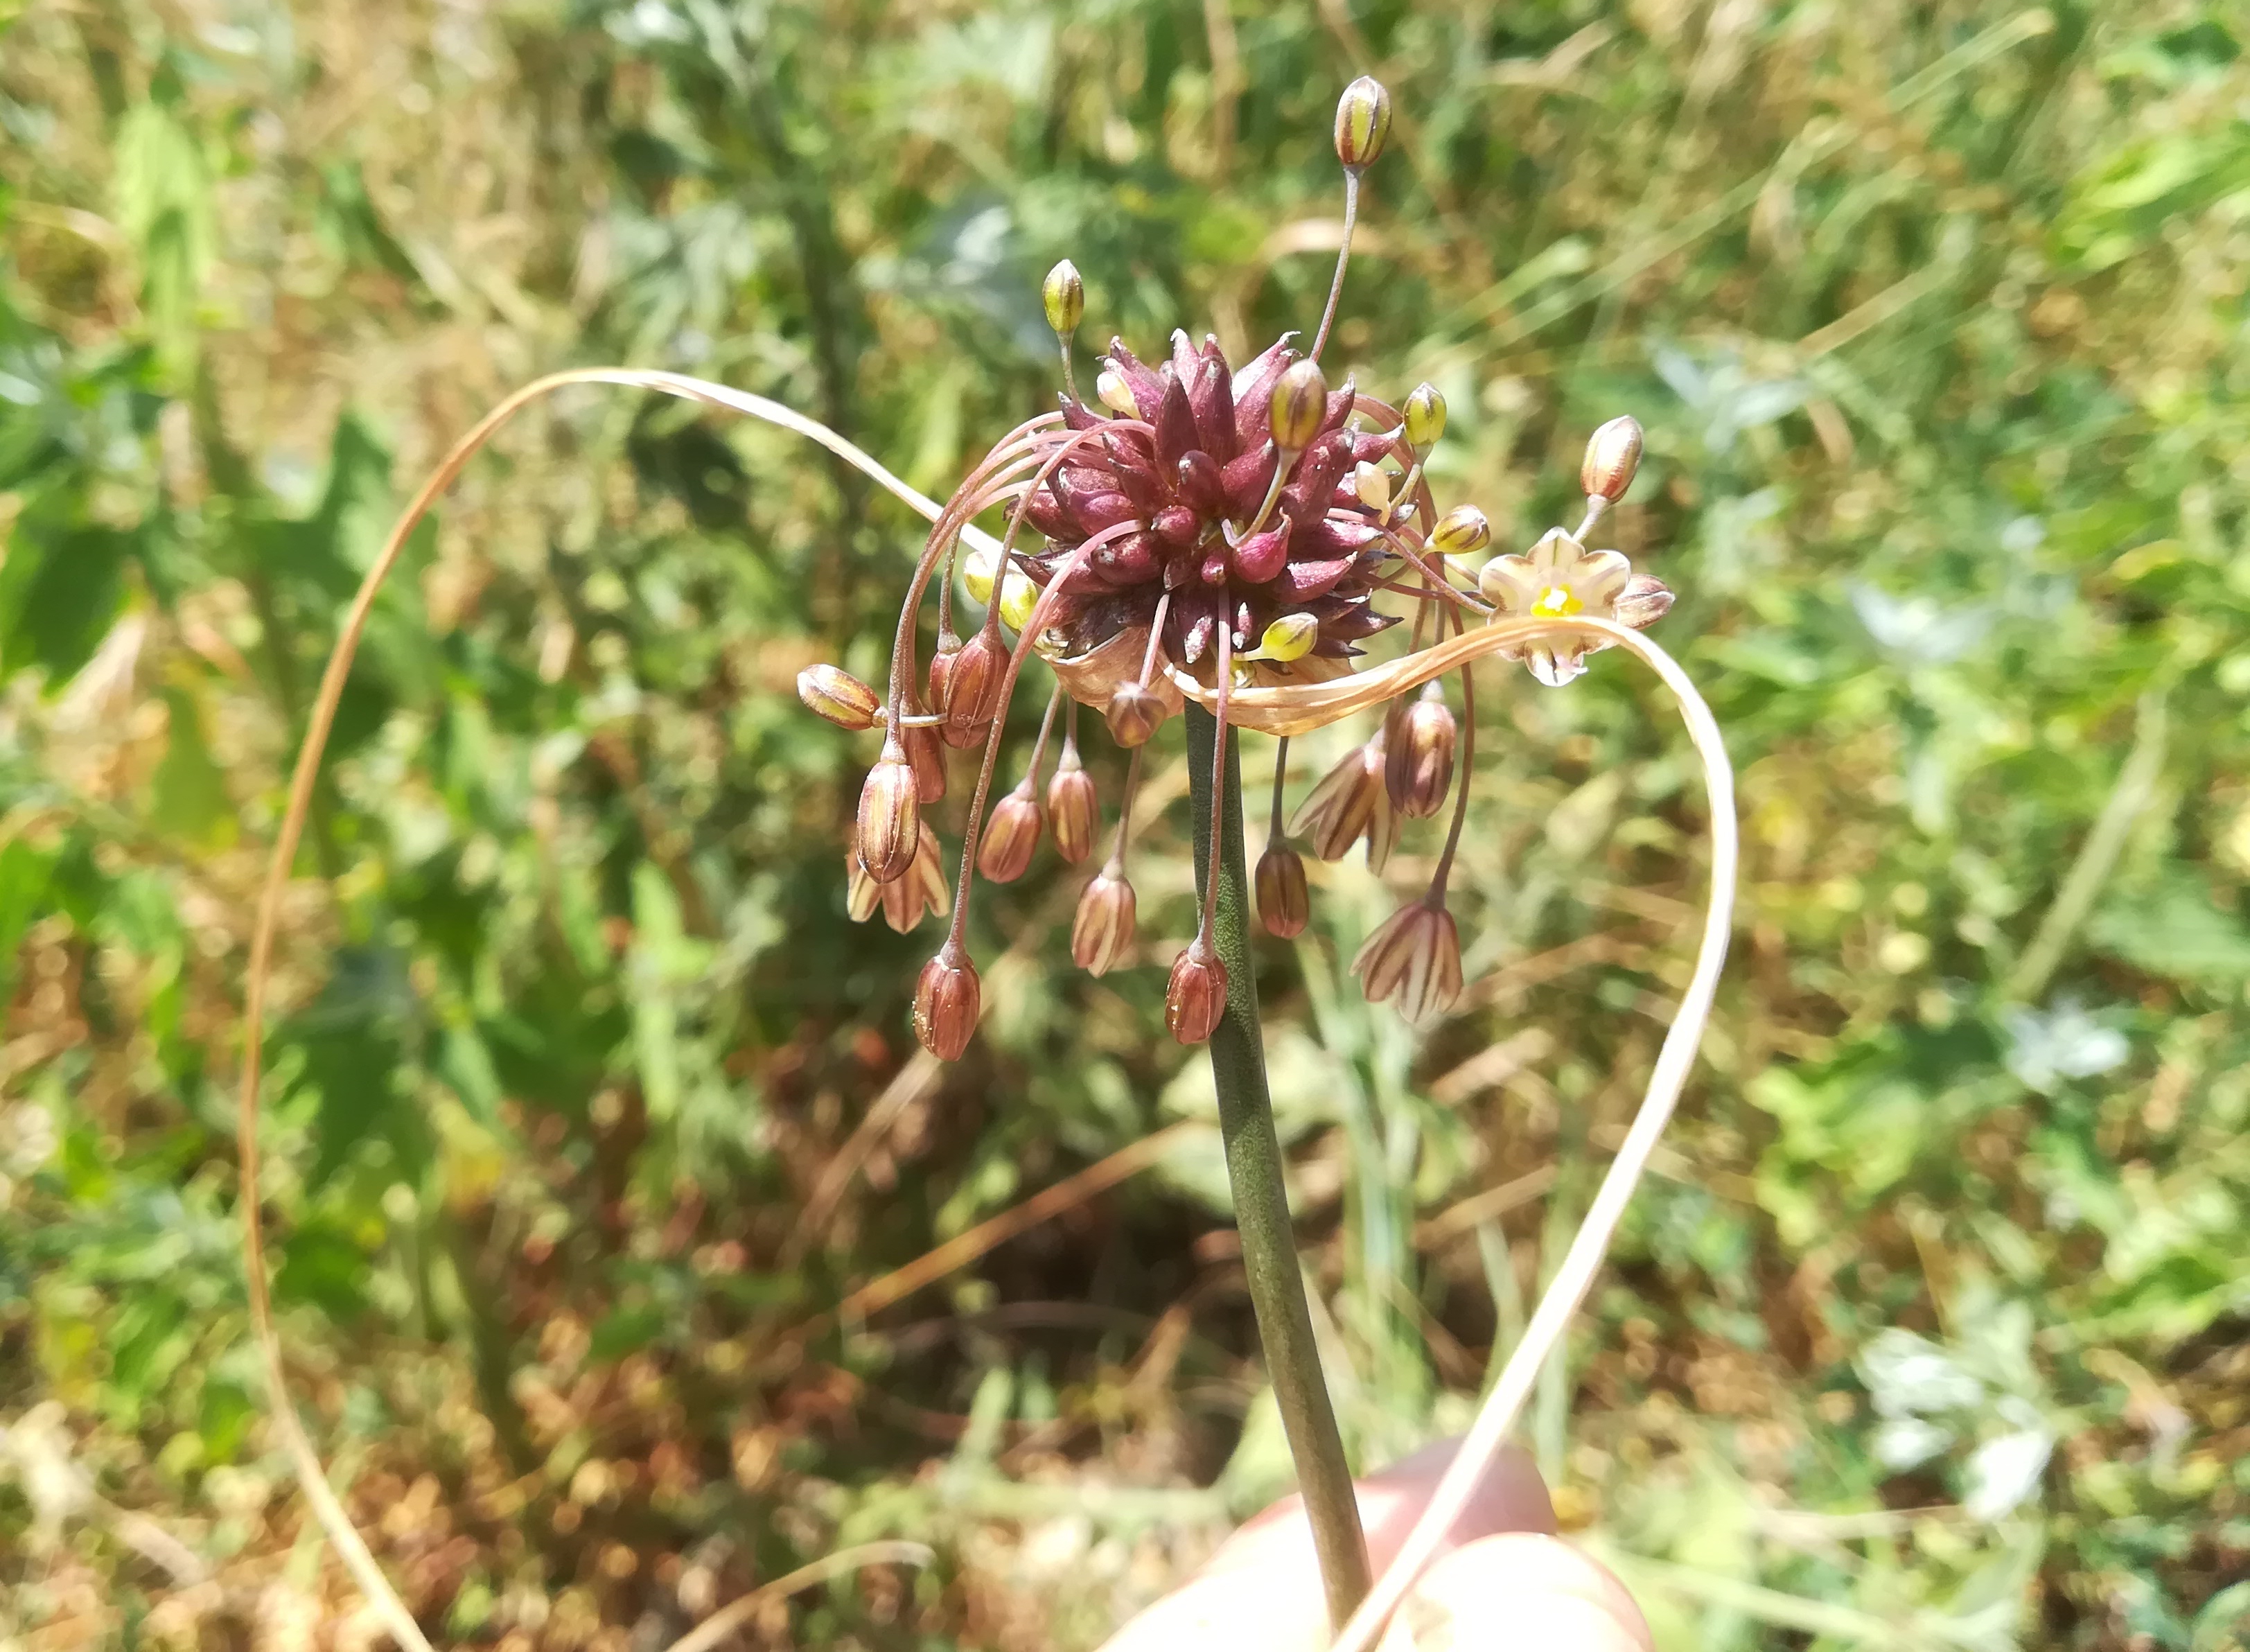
(1557, 601)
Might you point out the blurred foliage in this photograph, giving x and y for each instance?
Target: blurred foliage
(1934, 1331)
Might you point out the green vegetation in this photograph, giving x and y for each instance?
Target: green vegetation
(588, 1104)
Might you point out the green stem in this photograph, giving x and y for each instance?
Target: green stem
(1261, 1203)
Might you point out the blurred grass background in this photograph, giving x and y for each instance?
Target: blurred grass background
(1934, 1330)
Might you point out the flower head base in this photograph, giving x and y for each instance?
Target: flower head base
(1415, 957)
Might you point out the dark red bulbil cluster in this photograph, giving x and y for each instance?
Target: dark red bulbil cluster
(1188, 469)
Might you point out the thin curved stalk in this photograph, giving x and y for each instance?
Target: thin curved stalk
(733, 1615)
(1582, 1260)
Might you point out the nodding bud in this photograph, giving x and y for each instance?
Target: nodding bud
(1289, 637)
(890, 815)
(1135, 714)
(837, 696)
(1065, 294)
(1073, 806)
(1299, 407)
(1372, 484)
(1010, 834)
(947, 1000)
(1102, 932)
(1284, 906)
(1426, 417)
(1612, 455)
(1113, 393)
(968, 693)
(1645, 600)
(1416, 957)
(1363, 122)
(1196, 995)
(1418, 771)
(1461, 531)
(926, 752)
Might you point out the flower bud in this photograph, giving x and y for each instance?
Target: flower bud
(947, 1002)
(971, 690)
(1418, 771)
(1461, 531)
(1299, 407)
(1103, 931)
(927, 753)
(1425, 417)
(976, 574)
(1372, 484)
(1019, 596)
(1612, 455)
(903, 902)
(889, 815)
(1073, 806)
(1113, 393)
(1415, 955)
(1065, 295)
(1135, 714)
(1010, 834)
(1284, 906)
(1351, 802)
(1289, 637)
(1363, 122)
(837, 696)
(1645, 600)
(1196, 995)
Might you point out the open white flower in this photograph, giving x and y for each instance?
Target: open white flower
(1561, 578)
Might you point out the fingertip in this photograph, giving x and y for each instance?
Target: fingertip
(1523, 1589)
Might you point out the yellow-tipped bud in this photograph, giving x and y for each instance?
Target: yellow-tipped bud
(1462, 531)
(1196, 995)
(1019, 596)
(1065, 295)
(1372, 484)
(1301, 402)
(1285, 905)
(1291, 637)
(1612, 455)
(837, 696)
(890, 815)
(976, 574)
(947, 998)
(1363, 122)
(1425, 417)
(1102, 932)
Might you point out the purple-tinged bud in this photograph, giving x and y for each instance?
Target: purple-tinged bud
(1425, 417)
(1064, 294)
(1612, 455)
(1462, 531)
(1262, 556)
(1284, 906)
(1176, 525)
(1102, 932)
(1196, 995)
(972, 689)
(889, 815)
(947, 1003)
(1203, 483)
(927, 753)
(1072, 807)
(1645, 600)
(1010, 834)
(1363, 122)
(1416, 955)
(1135, 714)
(1419, 770)
(1299, 407)
(837, 696)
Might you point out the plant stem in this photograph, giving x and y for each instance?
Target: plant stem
(1261, 1203)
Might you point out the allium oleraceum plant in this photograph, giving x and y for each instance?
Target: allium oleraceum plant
(1215, 541)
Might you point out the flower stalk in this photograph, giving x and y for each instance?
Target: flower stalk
(1254, 1172)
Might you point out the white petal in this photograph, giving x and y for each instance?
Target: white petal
(1510, 584)
(1599, 577)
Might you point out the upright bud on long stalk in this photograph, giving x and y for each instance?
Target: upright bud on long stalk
(1072, 805)
(890, 817)
(1010, 835)
(1300, 404)
(1419, 769)
(1103, 931)
(1613, 456)
(1363, 122)
(1425, 417)
(947, 1002)
(1284, 906)
(1064, 296)
(1135, 714)
(1196, 995)
(837, 696)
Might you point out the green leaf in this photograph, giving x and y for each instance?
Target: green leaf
(2177, 931)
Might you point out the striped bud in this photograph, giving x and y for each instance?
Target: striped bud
(1289, 637)
(1462, 531)
(1425, 417)
(1102, 932)
(1284, 906)
(889, 815)
(1415, 957)
(946, 1001)
(1064, 294)
(1612, 455)
(1363, 122)
(1418, 771)
(1196, 995)
(1299, 406)
(1072, 807)
(1010, 834)
(927, 754)
(970, 692)
(1645, 600)
(837, 696)
(1135, 714)
(903, 902)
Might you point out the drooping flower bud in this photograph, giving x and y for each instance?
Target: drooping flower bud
(1645, 600)
(1425, 417)
(1010, 834)
(1196, 995)
(1065, 295)
(1300, 405)
(1462, 531)
(1134, 713)
(1612, 455)
(946, 1001)
(1284, 906)
(1102, 932)
(1073, 806)
(1372, 484)
(926, 752)
(1289, 637)
(1363, 122)
(835, 694)
(889, 815)
(1349, 802)
(971, 689)
(1415, 955)
(1419, 771)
